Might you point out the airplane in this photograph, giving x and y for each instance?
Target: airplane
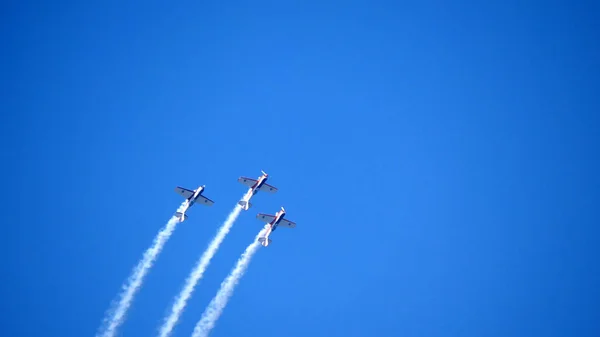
(255, 186)
(273, 221)
(192, 198)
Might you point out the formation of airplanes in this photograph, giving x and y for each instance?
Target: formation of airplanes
(255, 185)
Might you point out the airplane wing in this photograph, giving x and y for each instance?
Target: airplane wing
(247, 181)
(184, 192)
(287, 223)
(204, 200)
(267, 188)
(265, 217)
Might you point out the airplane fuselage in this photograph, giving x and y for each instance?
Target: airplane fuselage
(261, 181)
(191, 200)
(277, 220)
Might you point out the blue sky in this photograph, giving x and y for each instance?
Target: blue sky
(439, 158)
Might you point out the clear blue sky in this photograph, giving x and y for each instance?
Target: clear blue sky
(440, 158)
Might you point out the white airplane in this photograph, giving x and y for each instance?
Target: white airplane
(255, 186)
(272, 222)
(192, 198)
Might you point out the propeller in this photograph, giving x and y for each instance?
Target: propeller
(263, 172)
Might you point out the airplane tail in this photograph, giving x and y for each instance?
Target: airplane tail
(264, 241)
(182, 216)
(245, 204)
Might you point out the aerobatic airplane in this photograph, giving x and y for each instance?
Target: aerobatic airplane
(192, 198)
(272, 222)
(255, 186)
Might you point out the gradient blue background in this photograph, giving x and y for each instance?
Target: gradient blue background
(441, 161)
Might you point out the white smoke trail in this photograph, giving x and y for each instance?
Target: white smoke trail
(215, 307)
(115, 316)
(196, 274)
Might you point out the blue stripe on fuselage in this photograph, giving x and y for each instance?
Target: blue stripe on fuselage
(260, 183)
